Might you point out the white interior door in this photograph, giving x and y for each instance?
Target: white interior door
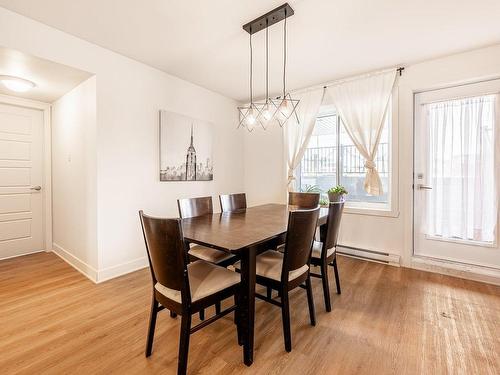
(456, 174)
(21, 174)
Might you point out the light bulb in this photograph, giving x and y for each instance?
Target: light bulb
(266, 113)
(250, 118)
(16, 84)
(284, 110)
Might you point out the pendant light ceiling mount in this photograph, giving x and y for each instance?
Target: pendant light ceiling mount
(281, 108)
(270, 18)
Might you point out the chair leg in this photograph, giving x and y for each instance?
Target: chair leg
(152, 325)
(173, 314)
(285, 312)
(269, 292)
(336, 271)
(202, 314)
(237, 318)
(184, 344)
(310, 301)
(217, 308)
(326, 287)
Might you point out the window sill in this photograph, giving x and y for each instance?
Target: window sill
(373, 210)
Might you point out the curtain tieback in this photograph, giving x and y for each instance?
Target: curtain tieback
(370, 165)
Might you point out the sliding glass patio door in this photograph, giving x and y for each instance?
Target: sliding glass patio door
(456, 174)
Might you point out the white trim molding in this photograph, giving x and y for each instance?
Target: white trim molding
(47, 159)
(82, 267)
(101, 275)
(121, 269)
(465, 271)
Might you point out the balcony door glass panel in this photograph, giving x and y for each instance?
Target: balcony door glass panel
(456, 174)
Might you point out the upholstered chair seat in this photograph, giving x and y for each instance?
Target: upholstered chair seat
(208, 254)
(205, 279)
(270, 263)
(317, 249)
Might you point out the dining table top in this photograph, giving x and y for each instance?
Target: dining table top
(236, 230)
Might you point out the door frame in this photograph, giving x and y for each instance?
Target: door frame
(47, 161)
(426, 263)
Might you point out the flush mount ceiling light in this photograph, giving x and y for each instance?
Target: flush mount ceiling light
(16, 84)
(283, 107)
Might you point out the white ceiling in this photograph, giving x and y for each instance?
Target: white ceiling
(203, 42)
(52, 80)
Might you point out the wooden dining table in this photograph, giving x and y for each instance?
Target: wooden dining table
(246, 233)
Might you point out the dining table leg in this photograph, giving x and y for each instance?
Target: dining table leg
(248, 302)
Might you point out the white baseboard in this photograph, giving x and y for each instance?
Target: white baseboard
(99, 276)
(121, 269)
(465, 271)
(370, 255)
(75, 262)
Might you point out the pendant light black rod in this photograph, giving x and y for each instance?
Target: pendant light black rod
(267, 62)
(251, 71)
(284, 56)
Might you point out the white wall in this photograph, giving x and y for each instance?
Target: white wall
(387, 234)
(74, 208)
(265, 166)
(129, 95)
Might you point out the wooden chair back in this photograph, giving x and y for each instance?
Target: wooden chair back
(192, 207)
(332, 225)
(299, 239)
(303, 200)
(233, 202)
(167, 253)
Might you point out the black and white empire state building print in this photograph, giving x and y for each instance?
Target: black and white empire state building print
(185, 148)
(191, 160)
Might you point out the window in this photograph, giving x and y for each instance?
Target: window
(332, 159)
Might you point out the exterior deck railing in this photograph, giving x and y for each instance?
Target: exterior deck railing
(323, 160)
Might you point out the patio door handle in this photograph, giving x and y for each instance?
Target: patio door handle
(424, 187)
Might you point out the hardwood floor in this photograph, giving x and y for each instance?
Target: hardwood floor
(387, 321)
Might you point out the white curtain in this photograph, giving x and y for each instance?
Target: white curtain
(298, 130)
(461, 169)
(362, 104)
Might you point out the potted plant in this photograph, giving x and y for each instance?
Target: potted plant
(337, 193)
(310, 189)
(323, 201)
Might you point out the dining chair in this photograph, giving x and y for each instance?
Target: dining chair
(288, 270)
(233, 202)
(194, 207)
(324, 252)
(303, 200)
(181, 287)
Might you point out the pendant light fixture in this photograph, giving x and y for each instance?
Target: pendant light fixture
(283, 107)
(250, 114)
(286, 105)
(267, 108)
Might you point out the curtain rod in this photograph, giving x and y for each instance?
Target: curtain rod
(347, 79)
(351, 78)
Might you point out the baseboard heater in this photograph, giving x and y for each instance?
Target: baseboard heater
(371, 255)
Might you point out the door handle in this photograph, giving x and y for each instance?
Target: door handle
(37, 188)
(424, 187)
